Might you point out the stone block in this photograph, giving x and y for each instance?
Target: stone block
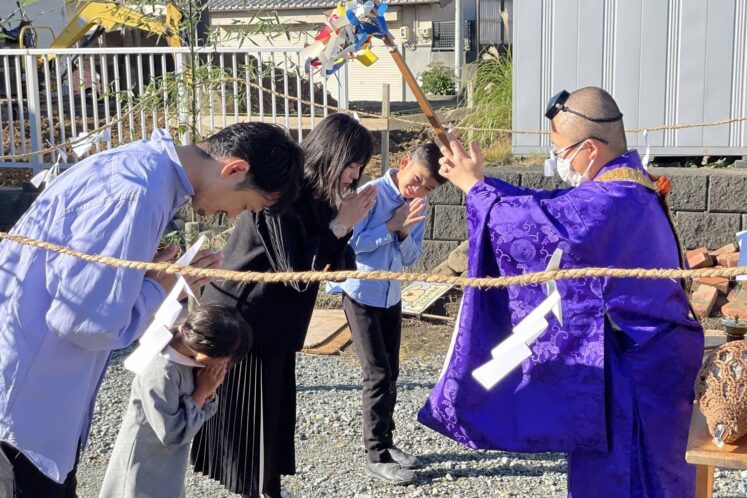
(429, 214)
(726, 193)
(507, 175)
(744, 222)
(458, 259)
(706, 229)
(537, 180)
(450, 223)
(446, 194)
(689, 192)
(434, 253)
(443, 269)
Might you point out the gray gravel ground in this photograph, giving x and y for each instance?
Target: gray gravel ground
(329, 448)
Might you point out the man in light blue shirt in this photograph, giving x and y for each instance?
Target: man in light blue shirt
(388, 238)
(60, 317)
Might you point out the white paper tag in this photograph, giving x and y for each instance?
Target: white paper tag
(158, 335)
(517, 347)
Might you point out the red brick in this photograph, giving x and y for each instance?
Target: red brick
(731, 259)
(699, 250)
(732, 247)
(736, 309)
(698, 258)
(703, 300)
(720, 283)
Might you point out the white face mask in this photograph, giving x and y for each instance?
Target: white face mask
(564, 169)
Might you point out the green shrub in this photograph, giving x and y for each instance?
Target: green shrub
(438, 79)
(492, 86)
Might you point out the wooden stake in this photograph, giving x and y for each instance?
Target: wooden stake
(385, 101)
(412, 83)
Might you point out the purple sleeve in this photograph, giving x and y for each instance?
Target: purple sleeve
(508, 189)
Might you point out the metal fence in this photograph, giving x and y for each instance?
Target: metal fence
(51, 97)
(443, 36)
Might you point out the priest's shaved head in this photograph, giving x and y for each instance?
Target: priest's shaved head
(587, 129)
(595, 103)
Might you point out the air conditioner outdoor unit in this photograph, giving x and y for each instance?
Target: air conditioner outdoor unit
(425, 32)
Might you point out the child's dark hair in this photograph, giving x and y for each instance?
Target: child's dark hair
(333, 145)
(428, 155)
(217, 331)
(275, 159)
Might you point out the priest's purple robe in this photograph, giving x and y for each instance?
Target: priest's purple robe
(613, 385)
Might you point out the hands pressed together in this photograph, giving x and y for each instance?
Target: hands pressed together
(356, 206)
(208, 379)
(406, 216)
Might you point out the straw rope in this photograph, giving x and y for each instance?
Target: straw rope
(70, 143)
(402, 119)
(322, 276)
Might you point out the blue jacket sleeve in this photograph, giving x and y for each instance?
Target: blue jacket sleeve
(101, 307)
(411, 248)
(369, 238)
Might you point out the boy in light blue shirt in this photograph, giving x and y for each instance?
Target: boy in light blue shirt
(389, 238)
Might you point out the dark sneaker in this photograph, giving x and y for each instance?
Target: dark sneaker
(390, 472)
(404, 459)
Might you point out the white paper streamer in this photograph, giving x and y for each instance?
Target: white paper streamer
(47, 176)
(510, 353)
(158, 334)
(82, 147)
(647, 155)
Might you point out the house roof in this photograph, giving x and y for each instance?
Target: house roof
(228, 5)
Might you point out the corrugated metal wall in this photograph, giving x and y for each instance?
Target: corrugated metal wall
(492, 29)
(664, 61)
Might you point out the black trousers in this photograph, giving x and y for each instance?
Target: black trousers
(19, 477)
(376, 334)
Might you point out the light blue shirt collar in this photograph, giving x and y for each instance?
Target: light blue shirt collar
(161, 141)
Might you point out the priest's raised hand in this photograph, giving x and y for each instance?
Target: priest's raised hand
(461, 167)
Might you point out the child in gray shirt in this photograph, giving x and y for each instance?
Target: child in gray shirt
(170, 402)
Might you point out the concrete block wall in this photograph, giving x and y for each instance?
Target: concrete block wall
(709, 205)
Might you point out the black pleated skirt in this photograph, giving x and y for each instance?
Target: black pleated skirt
(249, 442)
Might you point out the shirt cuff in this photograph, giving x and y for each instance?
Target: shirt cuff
(381, 235)
(406, 247)
(153, 295)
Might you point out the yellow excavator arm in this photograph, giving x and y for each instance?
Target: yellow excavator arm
(110, 15)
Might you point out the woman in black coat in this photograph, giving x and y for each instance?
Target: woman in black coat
(249, 443)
